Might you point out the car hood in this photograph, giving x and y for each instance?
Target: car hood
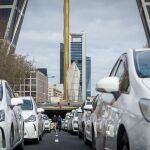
(27, 114)
(146, 82)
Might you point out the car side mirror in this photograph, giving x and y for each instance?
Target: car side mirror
(40, 110)
(16, 101)
(108, 85)
(88, 107)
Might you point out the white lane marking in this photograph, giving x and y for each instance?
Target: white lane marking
(56, 140)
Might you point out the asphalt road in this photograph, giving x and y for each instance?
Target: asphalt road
(64, 141)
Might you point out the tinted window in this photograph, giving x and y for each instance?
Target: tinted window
(123, 75)
(142, 63)
(45, 118)
(1, 92)
(4, 17)
(27, 105)
(6, 2)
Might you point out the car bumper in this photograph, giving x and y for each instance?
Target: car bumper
(75, 128)
(30, 130)
(47, 127)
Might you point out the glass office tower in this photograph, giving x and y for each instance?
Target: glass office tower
(144, 9)
(11, 17)
(77, 55)
(88, 76)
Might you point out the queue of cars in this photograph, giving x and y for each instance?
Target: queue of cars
(118, 118)
(20, 119)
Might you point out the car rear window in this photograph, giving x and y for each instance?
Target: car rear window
(1, 92)
(45, 117)
(27, 105)
(142, 63)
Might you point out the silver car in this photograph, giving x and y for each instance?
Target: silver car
(127, 91)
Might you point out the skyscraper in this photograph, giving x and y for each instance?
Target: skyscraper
(144, 9)
(11, 17)
(77, 55)
(88, 76)
(61, 63)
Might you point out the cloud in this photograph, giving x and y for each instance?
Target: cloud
(111, 27)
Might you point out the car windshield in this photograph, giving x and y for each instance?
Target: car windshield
(1, 92)
(142, 63)
(27, 105)
(88, 103)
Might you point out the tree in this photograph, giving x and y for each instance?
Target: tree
(13, 67)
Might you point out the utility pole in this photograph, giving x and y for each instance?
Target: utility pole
(66, 46)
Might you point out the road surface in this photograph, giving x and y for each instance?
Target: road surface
(64, 141)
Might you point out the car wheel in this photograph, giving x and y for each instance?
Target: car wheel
(40, 137)
(124, 142)
(79, 134)
(93, 140)
(21, 145)
(37, 140)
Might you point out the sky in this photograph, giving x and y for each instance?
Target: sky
(111, 27)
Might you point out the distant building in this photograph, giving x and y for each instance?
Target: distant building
(43, 70)
(88, 76)
(77, 55)
(73, 78)
(61, 63)
(55, 94)
(11, 17)
(35, 84)
(144, 9)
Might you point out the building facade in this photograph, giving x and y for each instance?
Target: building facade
(88, 76)
(11, 17)
(35, 84)
(61, 63)
(54, 94)
(73, 76)
(77, 55)
(144, 9)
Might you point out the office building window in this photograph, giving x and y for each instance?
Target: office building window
(4, 17)
(148, 10)
(33, 81)
(6, 2)
(33, 75)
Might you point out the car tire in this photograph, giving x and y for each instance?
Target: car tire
(79, 134)
(37, 141)
(124, 142)
(40, 137)
(21, 145)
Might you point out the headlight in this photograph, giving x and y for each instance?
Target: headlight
(145, 108)
(2, 115)
(32, 118)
